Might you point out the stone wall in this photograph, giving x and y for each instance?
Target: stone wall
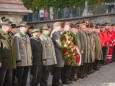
(95, 19)
(13, 10)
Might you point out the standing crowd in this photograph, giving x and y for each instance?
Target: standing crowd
(67, 51)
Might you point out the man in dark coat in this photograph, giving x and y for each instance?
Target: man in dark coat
(14, 30)
(7, 60)
(56, 38)
(29, 32)
(36, 68)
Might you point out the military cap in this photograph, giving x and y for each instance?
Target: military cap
(78, 22)
(45, 27)
(113, 24)
(73, 25)
(6, 21)
(106, 23)
(14, 26)
(31, 27)
(23, 24)
(35, 30)
(3, 18)
(103, 25)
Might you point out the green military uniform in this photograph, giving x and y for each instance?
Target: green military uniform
(92, 48)
(85, 54)
(6, 52)
(91, 53)
(83, 41)
(88, 47)
(6, 56)
(97, 47)
(98, 50)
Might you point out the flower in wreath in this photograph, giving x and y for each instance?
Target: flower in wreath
(69, 45)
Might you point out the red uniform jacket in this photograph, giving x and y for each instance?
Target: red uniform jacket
(104, 38)
(109, 37)
(113, 35)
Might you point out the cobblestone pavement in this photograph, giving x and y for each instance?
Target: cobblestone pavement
(104, 77)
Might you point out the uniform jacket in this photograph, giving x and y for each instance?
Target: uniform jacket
(6, 51)
(92, 48)
(85, 52)
(113, 35)
(83, 42)
(36, 51)
(104, 38)
(23, 50)
(48, 50)
(58, 50)
(98, 49)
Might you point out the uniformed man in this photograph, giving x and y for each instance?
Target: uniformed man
(74, 68)
(7, 60)
(104, 43)
(67, 66)
(36, 69)
(83, 40)
(91, 49)
(98, 48)
(14, 29)
(113, 33)
(49, 57)
(23, 54)
(56, 38)
(29, 32)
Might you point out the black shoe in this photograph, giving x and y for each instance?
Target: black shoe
(67, 82)
(80, 76)
(73, 79)
(89, 72)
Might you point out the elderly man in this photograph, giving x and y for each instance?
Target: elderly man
(56, 38)
(36, 45)
(49, 57)
(23, 54)
(7, 60)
